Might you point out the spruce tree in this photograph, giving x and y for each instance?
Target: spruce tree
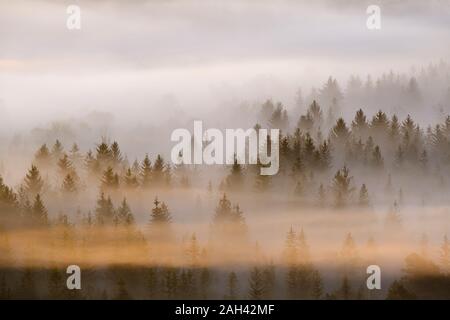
(158, 171)
(69, 184)
(256, 283)
(42, 157)
(232, 287)
(342, 187)
(116, 155)
(234, 180)
(104, 212)
(130, 179)
(345, 291)
(75, 156)
(377, 159)
(363, 200)
(124, 215)
(103, 154)
(33, 183)
(160, 213)
(39, 212)
(146, 172)
(65, 165)
(57, 150)
(110, 180)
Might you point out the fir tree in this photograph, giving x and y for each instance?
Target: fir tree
(317, 285)
(57, 150)
(146, 172)
(234, 180)
(160, 213)
(75, 156)
(69, 184)
(377, 159)
(116, 155)
(110, 180)
(130, 179)
(42, 157)
(65, 165)
(33, 182)
(158, 170)
(341, 187)
(345, 291)
(359, 124)
(363, 200)
(232, 287)
(103, 154)
(340, 132)
(256, 284)
(39, 212)
(124, 215)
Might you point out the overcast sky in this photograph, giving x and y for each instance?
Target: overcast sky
(130, 56)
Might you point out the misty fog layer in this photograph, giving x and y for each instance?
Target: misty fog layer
(86, 176)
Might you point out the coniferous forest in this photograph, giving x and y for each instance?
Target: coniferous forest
(350, 192)
(93, 205)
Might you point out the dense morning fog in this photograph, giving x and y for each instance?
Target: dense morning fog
(87, 177)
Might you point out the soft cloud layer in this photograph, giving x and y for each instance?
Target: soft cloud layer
(135, 53)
